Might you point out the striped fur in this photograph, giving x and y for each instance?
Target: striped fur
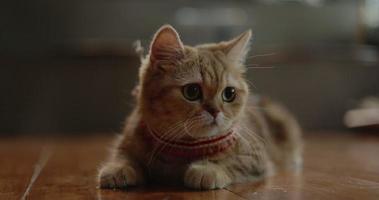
(268, 136)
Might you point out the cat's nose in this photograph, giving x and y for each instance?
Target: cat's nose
(212, 110)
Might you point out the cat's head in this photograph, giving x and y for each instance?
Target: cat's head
(193, 91)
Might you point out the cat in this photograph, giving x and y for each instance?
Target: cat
(195, 122)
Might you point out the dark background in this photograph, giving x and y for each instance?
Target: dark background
(69, 66)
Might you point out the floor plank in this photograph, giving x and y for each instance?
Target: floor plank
(71, 170)
(167, 194)
(337, 166)
(16, 166)
(71, 174)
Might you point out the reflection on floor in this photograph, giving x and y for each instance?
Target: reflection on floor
(337, 166)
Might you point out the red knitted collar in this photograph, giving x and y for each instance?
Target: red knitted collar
(191, 150)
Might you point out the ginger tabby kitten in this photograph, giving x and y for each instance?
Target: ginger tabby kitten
(195, 122)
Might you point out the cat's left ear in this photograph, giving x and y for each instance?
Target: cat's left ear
(237, 48)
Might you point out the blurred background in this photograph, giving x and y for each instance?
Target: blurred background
(69, 66)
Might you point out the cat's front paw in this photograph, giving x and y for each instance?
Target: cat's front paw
(118, 176)
(206, 176)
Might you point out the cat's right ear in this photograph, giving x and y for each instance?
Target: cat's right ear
(166, 47)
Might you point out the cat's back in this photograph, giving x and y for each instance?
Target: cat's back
(277, 128)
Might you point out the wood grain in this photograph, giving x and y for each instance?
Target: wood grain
(337, 166)
(16, 166)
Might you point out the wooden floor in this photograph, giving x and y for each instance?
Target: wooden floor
(337, 166)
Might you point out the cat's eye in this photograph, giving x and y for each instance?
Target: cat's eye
(192, 91)
(229, 94)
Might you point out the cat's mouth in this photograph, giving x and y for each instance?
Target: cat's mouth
(209, 124)
(208, 129)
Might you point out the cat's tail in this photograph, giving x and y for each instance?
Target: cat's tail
(285, 134)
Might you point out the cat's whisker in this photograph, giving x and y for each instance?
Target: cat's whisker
(191, 121)
(261, 55)
(256, 107)
(171, 136)
(251, 84)
(260, 144)
(256, 150)
(157, 150)
(178, 136)
(255, 137)
(245, 128)
(187, 128)
(165, 135)
(168, 130)
(194, 124)
(260, 67)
